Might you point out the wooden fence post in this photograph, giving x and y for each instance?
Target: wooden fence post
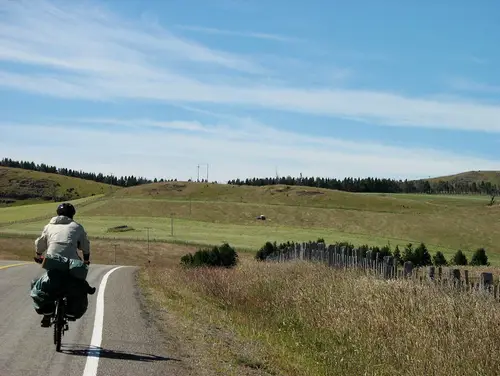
(321, 252)
(369, 257)
(431, 273)
(378, 263)
(359, 258)
(331, 254)
(486, 280)
(388, 263)
(408, 268)
(455, 277)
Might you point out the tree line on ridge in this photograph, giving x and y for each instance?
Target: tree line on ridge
(378, 185)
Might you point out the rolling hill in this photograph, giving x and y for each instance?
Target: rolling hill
(19, 186)
(208, 214)
(471, 176)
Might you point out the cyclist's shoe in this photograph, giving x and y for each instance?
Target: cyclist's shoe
(45, 321)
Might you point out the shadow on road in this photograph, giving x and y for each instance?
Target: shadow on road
(80, 350)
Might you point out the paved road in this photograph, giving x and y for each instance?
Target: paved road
(130, 345)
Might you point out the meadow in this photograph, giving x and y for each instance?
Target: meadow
(199, 214)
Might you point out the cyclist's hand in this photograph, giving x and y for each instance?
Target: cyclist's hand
(87, 262)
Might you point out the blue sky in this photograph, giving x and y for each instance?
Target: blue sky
(153, 88)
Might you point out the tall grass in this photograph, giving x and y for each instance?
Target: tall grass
(312, 320)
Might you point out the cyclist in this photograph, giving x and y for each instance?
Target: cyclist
(63, 236)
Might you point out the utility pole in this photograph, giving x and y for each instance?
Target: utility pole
(202, 164)
(147, 228)
(115, 245)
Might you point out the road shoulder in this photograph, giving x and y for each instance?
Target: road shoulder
(132, 342)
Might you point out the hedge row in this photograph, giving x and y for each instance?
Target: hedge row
(419, 256)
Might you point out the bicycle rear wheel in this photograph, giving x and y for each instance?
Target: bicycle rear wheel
(58, 325)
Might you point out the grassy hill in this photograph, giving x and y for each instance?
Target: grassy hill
(471, 176)
(200, 213)
(18, 186)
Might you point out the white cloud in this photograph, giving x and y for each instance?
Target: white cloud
(94, 55)
(173, 149)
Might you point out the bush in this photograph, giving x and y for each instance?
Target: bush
(385, 251)
(348, 246)
(408, 254)
(421, 255)
(439, 259)
(364, 249)
(479, 258)
(397, 256)
(271, 248)
(266, 250)
(459, 258)
(224, 256)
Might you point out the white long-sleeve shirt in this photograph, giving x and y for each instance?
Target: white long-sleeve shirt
(63, 236)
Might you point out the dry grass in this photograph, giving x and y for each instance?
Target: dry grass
(103, 251)
(311, 320)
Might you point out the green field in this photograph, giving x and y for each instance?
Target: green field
(46, 210)
(212, 213)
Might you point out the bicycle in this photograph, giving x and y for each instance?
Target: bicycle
(58, 318)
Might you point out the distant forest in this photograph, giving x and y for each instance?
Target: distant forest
(376, 185)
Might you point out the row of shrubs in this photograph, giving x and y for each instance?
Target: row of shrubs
(419, 256)
(226, 256)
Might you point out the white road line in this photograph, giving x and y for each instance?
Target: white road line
(93, 358)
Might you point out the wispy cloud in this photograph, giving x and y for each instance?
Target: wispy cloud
(233, 149)
(478, 60)
(464, 84)
(234, 33)
(90, 39)
(94, 55)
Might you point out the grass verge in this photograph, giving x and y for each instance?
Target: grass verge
(306, 319)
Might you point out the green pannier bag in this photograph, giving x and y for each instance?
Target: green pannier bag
(76, 268)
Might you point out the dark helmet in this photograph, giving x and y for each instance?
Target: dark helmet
(66, 209)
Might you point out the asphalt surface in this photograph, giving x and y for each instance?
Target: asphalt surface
(131, 344)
